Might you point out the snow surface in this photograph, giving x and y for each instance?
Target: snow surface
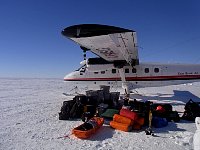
(29, 119)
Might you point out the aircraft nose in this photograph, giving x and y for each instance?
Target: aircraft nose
(70, 76)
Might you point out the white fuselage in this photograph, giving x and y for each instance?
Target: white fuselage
(142, 75)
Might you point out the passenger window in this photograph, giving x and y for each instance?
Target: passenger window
(95, 72)
(103, 72)
(114, 71)
(134, 70)
(126, 70)
(156, 70)
(146, 70)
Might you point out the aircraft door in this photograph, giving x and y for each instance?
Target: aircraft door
(164, 70)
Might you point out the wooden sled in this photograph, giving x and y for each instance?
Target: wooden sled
(88, 128)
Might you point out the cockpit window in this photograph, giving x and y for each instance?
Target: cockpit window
(82, 68)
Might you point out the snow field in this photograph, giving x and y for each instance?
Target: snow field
(29, 119)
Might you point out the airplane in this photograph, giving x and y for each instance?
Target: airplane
(118, 62)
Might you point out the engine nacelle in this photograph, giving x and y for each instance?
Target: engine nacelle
(84, 62)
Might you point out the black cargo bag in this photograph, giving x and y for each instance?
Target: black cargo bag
(166, 113)
(173, 116)
(81, 99)
(65, 110)
(167, 107)
(76, 110)
(192, 110)
(72, 109)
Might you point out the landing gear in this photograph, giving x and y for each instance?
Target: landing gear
(125, 84)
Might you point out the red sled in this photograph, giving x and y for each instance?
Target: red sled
(88, 128)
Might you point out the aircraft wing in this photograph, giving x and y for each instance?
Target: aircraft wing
(111, 43)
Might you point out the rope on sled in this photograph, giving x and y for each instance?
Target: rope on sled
(65, 136)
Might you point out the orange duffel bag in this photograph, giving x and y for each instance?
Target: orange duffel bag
(122, 119)
(129, 114)
(120, 126)
(138, 123)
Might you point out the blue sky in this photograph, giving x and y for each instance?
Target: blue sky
(31, 44)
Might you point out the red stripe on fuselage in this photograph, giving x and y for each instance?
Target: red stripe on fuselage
(148, 78)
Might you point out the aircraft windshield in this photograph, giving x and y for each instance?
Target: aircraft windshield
(81, 68)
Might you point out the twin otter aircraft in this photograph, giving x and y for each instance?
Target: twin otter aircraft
(118, 62)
